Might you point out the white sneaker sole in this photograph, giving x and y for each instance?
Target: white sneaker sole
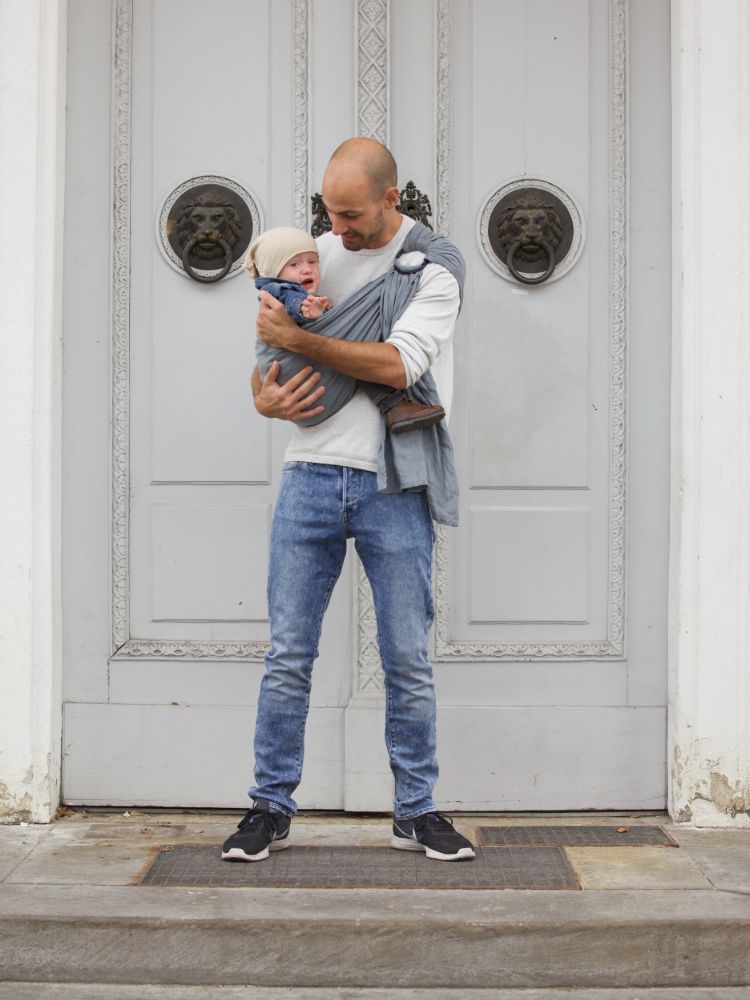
(402, 844)
(237, 854)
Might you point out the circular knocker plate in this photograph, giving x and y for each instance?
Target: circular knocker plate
(530, 231)
(205, 225)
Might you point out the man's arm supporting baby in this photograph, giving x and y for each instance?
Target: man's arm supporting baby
(370, 362)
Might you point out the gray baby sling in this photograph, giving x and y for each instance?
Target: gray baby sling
(414, 460)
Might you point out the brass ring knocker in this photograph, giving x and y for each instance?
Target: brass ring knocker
(528, 279)
(207, 279)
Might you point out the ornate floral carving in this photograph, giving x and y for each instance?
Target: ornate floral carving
(188, 649)
(372, 121)
(121, 89)
(301, 112)
(372, 69)
(444, 119)
(368, 679)
(617, 322)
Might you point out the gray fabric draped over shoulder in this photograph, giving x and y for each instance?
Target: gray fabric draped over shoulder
(414, 460)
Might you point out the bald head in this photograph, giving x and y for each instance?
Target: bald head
(360, 194)
(368, 158)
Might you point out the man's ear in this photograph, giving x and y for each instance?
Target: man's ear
(391, 196)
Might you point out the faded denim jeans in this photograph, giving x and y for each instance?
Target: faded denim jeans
(318, 508)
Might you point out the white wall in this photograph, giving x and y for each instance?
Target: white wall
(32, 120)
(710, 546)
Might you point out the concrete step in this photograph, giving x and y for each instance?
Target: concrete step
(428, 940)
(646, 920)
(100, 991)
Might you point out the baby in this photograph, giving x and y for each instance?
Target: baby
(285, 263)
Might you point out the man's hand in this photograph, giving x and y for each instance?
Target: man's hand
(292, 401)
(275, 326)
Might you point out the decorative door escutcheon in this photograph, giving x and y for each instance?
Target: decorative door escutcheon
(205, 225)
(530, 231)
(411, 202)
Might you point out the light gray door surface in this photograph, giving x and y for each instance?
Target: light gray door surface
(550, 634)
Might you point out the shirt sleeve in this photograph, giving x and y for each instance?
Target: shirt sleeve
(427, 323)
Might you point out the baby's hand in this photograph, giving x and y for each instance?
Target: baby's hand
(315, 305)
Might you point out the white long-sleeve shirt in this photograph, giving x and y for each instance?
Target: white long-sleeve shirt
(423, 336)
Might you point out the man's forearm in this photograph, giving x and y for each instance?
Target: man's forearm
(255, 381)
(369, 362)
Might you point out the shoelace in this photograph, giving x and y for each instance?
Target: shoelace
(261, 816)
(435, 819)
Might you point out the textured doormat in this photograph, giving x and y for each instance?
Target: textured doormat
(515, 867)
(574, 836)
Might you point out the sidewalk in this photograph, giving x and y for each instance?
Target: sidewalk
(72, 912)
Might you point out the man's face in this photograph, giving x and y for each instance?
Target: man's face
(362, 220)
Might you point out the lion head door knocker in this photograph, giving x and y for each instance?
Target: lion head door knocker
(205, 226)
(411, 202)
(530, 231)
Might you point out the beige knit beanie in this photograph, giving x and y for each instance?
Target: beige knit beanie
(267, 255)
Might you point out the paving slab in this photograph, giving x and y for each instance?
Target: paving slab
(93, 991)
(373, 938)
(304, 832)
(724, 856)
(635, 868)
(17, 843)
(66, 857)
(142, 831)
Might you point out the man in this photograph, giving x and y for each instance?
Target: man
(329, 493)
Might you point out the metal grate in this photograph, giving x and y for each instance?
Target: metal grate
(573, 836)
(514, 867)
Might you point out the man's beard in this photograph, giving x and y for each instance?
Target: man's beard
(362, 241)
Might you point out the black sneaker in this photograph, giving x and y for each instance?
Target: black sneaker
(434, 834)
(260, 831)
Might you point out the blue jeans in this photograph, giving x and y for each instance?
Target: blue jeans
(318, 508)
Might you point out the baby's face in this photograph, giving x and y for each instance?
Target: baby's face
(303, 268)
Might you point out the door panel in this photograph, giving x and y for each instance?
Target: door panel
(200, 457)
(532, 541)
(194, 753)
(534, 377)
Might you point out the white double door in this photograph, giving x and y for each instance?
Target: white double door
(550, 639)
